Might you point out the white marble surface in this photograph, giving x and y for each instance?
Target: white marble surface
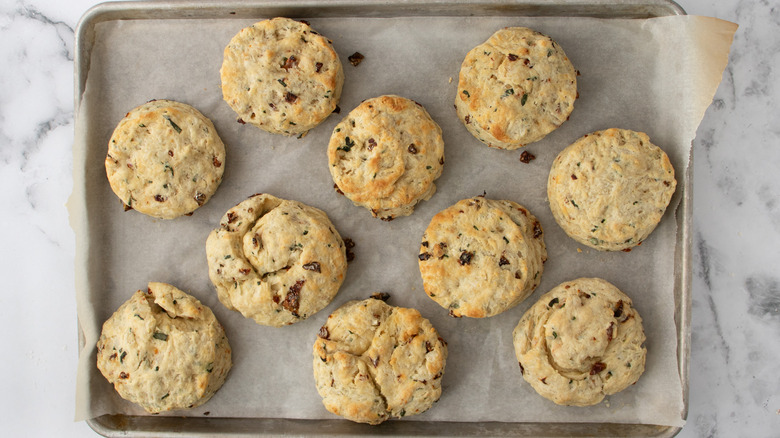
(734, 384)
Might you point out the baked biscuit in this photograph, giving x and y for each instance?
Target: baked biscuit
(481, 257)
(515, 88)
(580, 342)
(165, 159)
(386, 154)
(609, 189)
(164, 350)
(281, 76)
(373, 361)
(275, 261)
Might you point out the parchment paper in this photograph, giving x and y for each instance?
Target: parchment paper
(656, 75)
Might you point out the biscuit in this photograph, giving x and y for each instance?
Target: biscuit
(281, 76)
(515, 88)
(165, 159)
(385, 156)
(164, 350)
(481, 257)
(275, 261)
(373, 361)
(580, 342)
(609, 189)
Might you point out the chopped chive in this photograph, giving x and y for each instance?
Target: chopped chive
(174, 125)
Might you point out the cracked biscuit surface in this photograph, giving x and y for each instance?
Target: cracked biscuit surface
(165, 159)
(373, 361)
(276, 261)
(581, 341)
(281, 76)
(515, 88)
(385, 156)
(480, 257)
(164, 350)
(610, 189)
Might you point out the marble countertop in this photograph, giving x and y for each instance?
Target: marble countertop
(735, 352)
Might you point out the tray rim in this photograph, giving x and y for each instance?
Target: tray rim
(120, 425)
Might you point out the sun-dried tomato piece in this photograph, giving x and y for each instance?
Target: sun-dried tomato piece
(313, 266)
(465, 258)
(537, 229)
(200, 198)
(356, 58)
(597, 368)
(348, 245)
(292, 300)
(290, 62)
(382, 296)
(619, 309)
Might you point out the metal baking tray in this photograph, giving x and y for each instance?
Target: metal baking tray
(128, 425)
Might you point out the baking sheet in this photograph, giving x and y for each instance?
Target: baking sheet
(630, 79)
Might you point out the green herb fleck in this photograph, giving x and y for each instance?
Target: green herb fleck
(281, 81)
(210, 367)
(574, 203)
(165, 396)
(509, 92)
(475, 227)
(348, 144)
(141, 125)
(174, 125)
(228, 256)
(466, 93)
(523, 99)
(454, 305)
(305, 232)
(555, 335)
(506, 240)
(594, 240)
(553, 301)
(160, 336)
(549, 52)
(122, 357)
(138, 316)
(428, 167)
